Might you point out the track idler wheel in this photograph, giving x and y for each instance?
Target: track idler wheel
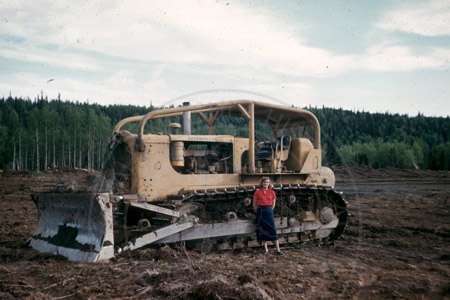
(231, 216)
(144, 224)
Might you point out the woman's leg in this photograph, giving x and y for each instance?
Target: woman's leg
(277, 244)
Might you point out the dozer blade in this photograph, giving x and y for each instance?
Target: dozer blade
(77, 226)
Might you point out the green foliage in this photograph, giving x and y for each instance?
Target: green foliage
(383, 140)
(64, 134)
(380, 154)
(38, 134)
(441, 157)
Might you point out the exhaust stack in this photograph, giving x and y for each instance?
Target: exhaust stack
(186, 120)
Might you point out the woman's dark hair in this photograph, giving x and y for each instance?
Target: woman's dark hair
(264, 179)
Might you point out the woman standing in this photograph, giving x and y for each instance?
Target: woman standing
(264, 201)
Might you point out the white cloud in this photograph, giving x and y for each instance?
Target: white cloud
(179, 32)
(117, 88)
(400, 58)
(30, 53)
(298, 94)
(172, 32)
(120, 79)
(427, 18)
(137, 52)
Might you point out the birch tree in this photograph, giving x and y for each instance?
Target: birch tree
(13, 128)
(35, 121)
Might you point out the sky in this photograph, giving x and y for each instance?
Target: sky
(376, 56)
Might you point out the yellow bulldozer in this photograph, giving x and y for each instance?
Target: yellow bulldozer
(177, 186)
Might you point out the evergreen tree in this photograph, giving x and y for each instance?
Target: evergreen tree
(38, 134)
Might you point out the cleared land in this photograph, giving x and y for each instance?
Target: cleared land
(397, 246)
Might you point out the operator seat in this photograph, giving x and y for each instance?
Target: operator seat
(276, 149)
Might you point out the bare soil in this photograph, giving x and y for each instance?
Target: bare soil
(397, 246)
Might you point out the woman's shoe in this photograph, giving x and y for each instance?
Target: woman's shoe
(280, 253)
(266, 252)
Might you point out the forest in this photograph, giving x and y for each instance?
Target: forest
(41, 133)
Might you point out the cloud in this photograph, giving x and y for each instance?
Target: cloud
(134, 52)
(31, 53)
(115, 89)
(401, 58)
(427, 18)
(198, 36)
(205, 33)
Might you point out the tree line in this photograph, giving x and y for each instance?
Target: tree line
(40, 134)
(384, 140)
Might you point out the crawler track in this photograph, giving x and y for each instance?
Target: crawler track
(296, 203)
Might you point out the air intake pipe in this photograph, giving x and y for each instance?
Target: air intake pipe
(186, 120)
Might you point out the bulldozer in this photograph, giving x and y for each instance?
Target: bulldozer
(176, 186)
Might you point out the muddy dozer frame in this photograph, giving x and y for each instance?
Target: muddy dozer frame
(84, 229)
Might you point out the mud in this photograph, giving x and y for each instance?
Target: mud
(397, 246)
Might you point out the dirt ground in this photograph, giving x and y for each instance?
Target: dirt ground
(397, 246)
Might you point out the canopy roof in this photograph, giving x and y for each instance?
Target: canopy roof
(276, 116)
